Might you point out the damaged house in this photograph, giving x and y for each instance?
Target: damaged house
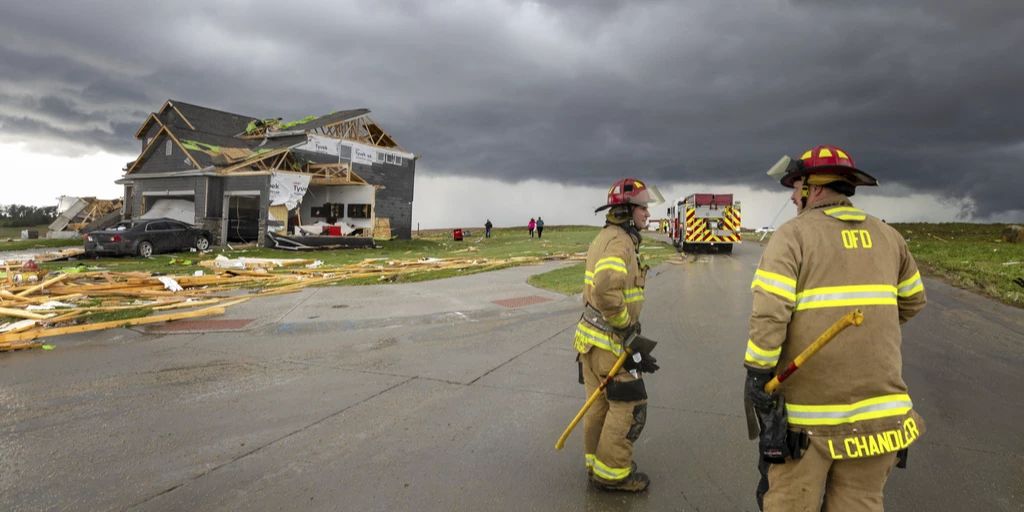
(332, 180)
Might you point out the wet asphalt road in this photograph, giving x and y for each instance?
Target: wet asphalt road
(431, 396)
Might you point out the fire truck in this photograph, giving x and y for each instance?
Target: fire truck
(705, 222)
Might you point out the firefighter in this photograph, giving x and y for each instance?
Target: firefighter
(849, 415)
(613, 296)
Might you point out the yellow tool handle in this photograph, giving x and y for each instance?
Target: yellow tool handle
(593, 396)
(854, 317)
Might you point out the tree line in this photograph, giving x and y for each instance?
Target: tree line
(18, 215)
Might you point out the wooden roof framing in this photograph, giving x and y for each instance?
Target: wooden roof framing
(283, 159)
(334, 174)
(255, 162)
(154, 116)
(361, 129)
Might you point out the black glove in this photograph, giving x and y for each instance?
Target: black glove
(773, 443)
(647, 363)
(754, 390)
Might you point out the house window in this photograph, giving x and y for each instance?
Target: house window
(167, 148)
(398, 160)
(359, 211)
(390, 158)
(380, 156)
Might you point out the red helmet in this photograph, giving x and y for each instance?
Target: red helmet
(829, 162)
(631, 191)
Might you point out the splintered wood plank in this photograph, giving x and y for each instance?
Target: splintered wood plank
(113, 324)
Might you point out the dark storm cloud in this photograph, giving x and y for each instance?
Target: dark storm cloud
(924, 94)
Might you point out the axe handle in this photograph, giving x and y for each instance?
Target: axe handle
(593, 396)
(854, 317)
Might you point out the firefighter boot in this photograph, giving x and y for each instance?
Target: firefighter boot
(635, 482)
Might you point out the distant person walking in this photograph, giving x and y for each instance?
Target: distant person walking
(540, 227)
(487, 228)
(531, 226)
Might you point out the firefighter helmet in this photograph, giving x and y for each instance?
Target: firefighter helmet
(631, 191)
(825, 164)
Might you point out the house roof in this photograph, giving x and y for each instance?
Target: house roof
(329, 119)
(215, 138)
(220, 150)
(210, 120)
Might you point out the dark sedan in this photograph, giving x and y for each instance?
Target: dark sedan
(146, 237)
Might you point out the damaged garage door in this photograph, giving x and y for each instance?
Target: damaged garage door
(183, 209)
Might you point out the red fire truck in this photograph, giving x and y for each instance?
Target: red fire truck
(705, 222)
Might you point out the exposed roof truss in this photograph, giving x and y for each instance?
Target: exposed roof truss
(361, 129)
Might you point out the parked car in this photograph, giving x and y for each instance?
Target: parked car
(146, 237)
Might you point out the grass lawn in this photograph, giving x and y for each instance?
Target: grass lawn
(969, 256)
(42, 243)
(569, 280)
(10, 240)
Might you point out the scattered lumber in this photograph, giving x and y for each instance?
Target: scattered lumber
(68, 303)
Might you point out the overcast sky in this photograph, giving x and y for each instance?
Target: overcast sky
(519, 109)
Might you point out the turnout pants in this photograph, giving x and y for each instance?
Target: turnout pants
(616, 418)
(816, 483)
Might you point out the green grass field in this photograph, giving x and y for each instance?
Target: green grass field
(569, 279)
(10, 240)
(970, 256)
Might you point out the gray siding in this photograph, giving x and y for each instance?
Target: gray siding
(394, 197)
(158, 161)
(150, 132)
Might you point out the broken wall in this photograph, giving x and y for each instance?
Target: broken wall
(394, 182)
(318, 195)
(394, 197)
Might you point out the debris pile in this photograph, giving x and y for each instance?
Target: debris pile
(81, 214)
(66, 303)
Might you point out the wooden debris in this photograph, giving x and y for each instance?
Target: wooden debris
(90, 293)
(18, 313)
(44, 284)
(6, 347)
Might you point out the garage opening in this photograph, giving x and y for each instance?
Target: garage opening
(177, 207)
(243, 218)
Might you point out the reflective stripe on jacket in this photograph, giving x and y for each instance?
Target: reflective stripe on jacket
(831, 259)
(613, 284)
